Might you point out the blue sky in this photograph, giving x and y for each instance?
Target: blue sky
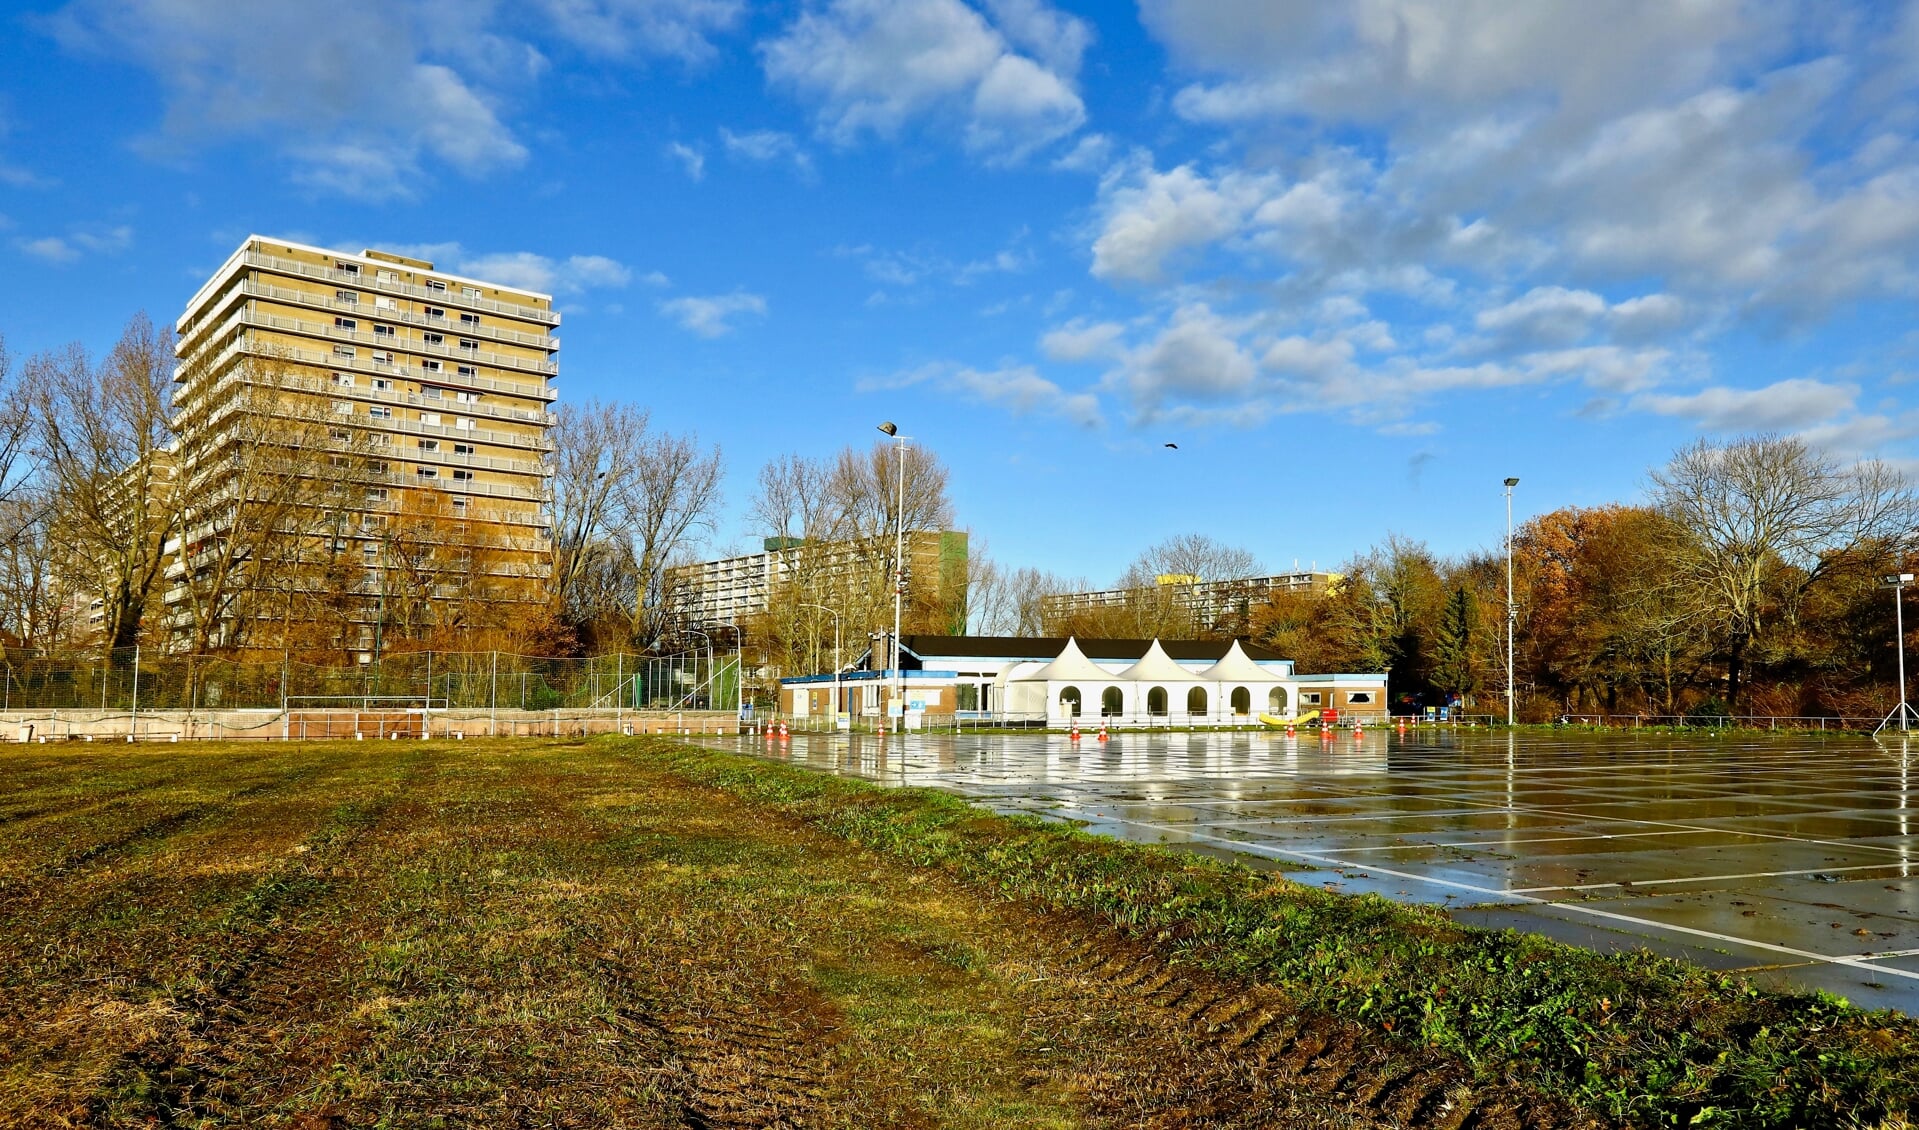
(1360, 262)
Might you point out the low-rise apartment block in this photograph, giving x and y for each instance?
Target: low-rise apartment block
(1211, 606)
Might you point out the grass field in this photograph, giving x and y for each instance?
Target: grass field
(632, 933)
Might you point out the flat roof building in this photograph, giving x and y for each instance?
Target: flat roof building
(1056, 682)
(411, 402)
(1176, 602)
(732, 589)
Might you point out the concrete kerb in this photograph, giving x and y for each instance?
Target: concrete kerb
(42, 726)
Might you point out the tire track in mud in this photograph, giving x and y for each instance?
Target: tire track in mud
(725, 1066)
(1244, 1056)
(158, 827)
(256, 965)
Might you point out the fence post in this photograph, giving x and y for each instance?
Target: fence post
(619, 701)
(135, 723)
(493, 701)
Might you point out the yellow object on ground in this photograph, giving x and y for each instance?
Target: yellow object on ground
(1313, 716)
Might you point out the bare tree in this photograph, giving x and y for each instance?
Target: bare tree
(254, 470)
(672, 496)
(1190, 555)
(36, 598)
(595, 453)
(16, 432)
(628, 503)
(1756, 522)
(101, 438)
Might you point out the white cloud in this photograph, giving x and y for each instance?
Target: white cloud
(574, 274)
(1090, 154)
(79, 242)
(1019, 388)
(1783, 405)
(1079, 341)
(51, 248)
(1308, 358)
(690, 159)
(765, 146)
(345, 88)
(712, 316)
(1544, 315)
(675, 28)
(1054, 38)
(1148, 217)
(1198, 355)
(874, 66)
(910, 268)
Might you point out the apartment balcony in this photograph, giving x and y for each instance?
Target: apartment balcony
(369, 394)
(543, 367)
(289, 296)
(361, 364)
(370, 281)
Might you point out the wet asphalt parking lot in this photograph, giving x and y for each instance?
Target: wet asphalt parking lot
(1792, 859)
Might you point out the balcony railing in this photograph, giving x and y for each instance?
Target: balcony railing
(370, 280)
(376, 312)
(378, 341)
(359, 364)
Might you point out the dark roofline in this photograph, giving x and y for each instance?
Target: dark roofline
(1047, 647)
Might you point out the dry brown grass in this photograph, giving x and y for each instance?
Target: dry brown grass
(548, 934)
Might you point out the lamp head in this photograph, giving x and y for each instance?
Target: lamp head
(889, 429)
(1512, 482)
(1894, 580)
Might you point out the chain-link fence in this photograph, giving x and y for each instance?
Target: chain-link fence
(132, 680)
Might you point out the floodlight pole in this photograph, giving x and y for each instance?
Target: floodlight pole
(1512, 614)
(836, 660)
(899, 567)
(1897, 582)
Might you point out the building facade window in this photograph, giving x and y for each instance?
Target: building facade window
(347, 296)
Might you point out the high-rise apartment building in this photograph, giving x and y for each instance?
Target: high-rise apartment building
(374, 425)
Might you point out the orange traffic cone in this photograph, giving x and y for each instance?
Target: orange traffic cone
(1075, 731)
(1102, 731)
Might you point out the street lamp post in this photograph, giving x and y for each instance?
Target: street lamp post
(1897, 582)
(1512, 614)
(899, 565)
(836, 659)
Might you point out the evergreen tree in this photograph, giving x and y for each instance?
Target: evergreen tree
(1453, 667)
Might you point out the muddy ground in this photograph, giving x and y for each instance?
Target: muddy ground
(563, 934)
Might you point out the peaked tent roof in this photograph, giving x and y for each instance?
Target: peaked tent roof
(1237, 667)
(1070, 663)
(943, 648)
(1156, 667)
